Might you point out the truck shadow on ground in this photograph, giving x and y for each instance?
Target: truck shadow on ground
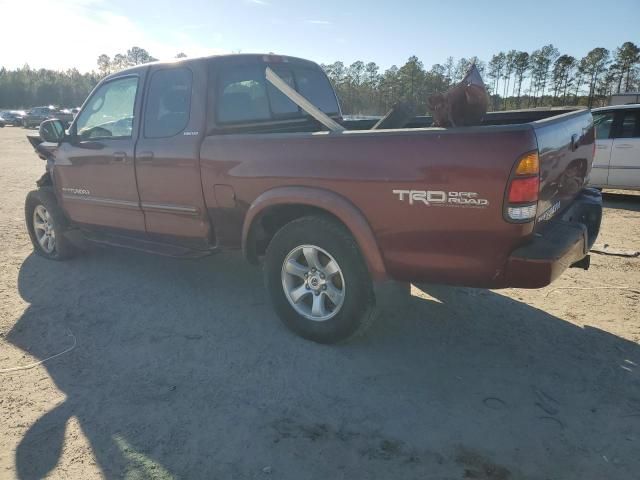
(182, 370)
(621, 201)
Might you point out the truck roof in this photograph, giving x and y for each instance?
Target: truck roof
(249, 57)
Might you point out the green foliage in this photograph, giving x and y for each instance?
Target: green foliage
(27, 87)
(514, 79)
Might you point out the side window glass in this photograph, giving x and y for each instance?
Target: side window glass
(602, 123)
(109, 112)
(168, 103)
(629, 129)
(242, 95)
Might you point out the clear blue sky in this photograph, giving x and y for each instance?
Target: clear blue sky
(324, 31)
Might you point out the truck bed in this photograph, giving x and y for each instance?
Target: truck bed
(467, 245)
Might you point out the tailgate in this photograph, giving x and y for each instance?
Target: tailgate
(566, 147)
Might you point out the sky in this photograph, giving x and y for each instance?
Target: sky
(62, 34)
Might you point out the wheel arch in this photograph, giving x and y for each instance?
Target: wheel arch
(277, 207)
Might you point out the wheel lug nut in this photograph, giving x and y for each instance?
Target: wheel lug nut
(324, 287)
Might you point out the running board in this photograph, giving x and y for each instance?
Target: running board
(147, 246)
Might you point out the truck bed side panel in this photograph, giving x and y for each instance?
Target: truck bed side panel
(439, 242)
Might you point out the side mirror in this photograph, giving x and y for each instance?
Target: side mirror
(52, 131)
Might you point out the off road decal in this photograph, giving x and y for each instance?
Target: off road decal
(435, 198)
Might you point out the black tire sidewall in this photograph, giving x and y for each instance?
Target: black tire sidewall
(335, 240)
(45, 197)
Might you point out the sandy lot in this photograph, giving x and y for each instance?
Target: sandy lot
(181, 370)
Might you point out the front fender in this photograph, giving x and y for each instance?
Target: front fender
(328, 201)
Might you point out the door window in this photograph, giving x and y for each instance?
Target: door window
(168, 103)
(629, 126)
(109, 111)
(603, 123)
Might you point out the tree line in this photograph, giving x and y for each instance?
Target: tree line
(27, 87)
(514, 79)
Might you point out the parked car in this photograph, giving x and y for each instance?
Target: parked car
(37, 115)
(252, 152)
(12, 117)
(617, 159)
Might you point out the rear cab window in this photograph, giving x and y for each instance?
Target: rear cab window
(244, 96)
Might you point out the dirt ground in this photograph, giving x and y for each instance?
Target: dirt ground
(181, 370)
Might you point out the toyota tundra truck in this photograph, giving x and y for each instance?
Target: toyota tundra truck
(252, 152)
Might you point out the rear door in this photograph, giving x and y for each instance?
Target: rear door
(94, 171)
(168, 154)
(624, 168)
(603, 123)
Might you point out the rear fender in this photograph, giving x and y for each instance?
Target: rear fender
(325, 200)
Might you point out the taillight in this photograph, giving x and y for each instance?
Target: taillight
(522, 194)
(524, 190)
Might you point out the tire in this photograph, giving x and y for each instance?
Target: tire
(41, 207)
(344, 293)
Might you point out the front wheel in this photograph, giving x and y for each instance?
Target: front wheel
(46, 224)
(318, 282)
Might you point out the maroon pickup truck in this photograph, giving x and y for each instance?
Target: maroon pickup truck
(196, 156)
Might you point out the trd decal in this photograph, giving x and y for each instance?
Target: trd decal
(440, 198)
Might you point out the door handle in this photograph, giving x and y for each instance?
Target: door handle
(120, 156)
(602, 147)
(624, 145)
(144, 156)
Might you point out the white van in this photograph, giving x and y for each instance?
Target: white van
(617, 160)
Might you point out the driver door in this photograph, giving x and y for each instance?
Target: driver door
(95, 171)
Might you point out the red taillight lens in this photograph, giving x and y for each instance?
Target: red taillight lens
(524, 190)
(522, 200)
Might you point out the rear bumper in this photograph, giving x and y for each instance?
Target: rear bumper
(558, 244)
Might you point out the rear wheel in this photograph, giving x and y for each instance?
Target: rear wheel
(47, 224)
(318, 282)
